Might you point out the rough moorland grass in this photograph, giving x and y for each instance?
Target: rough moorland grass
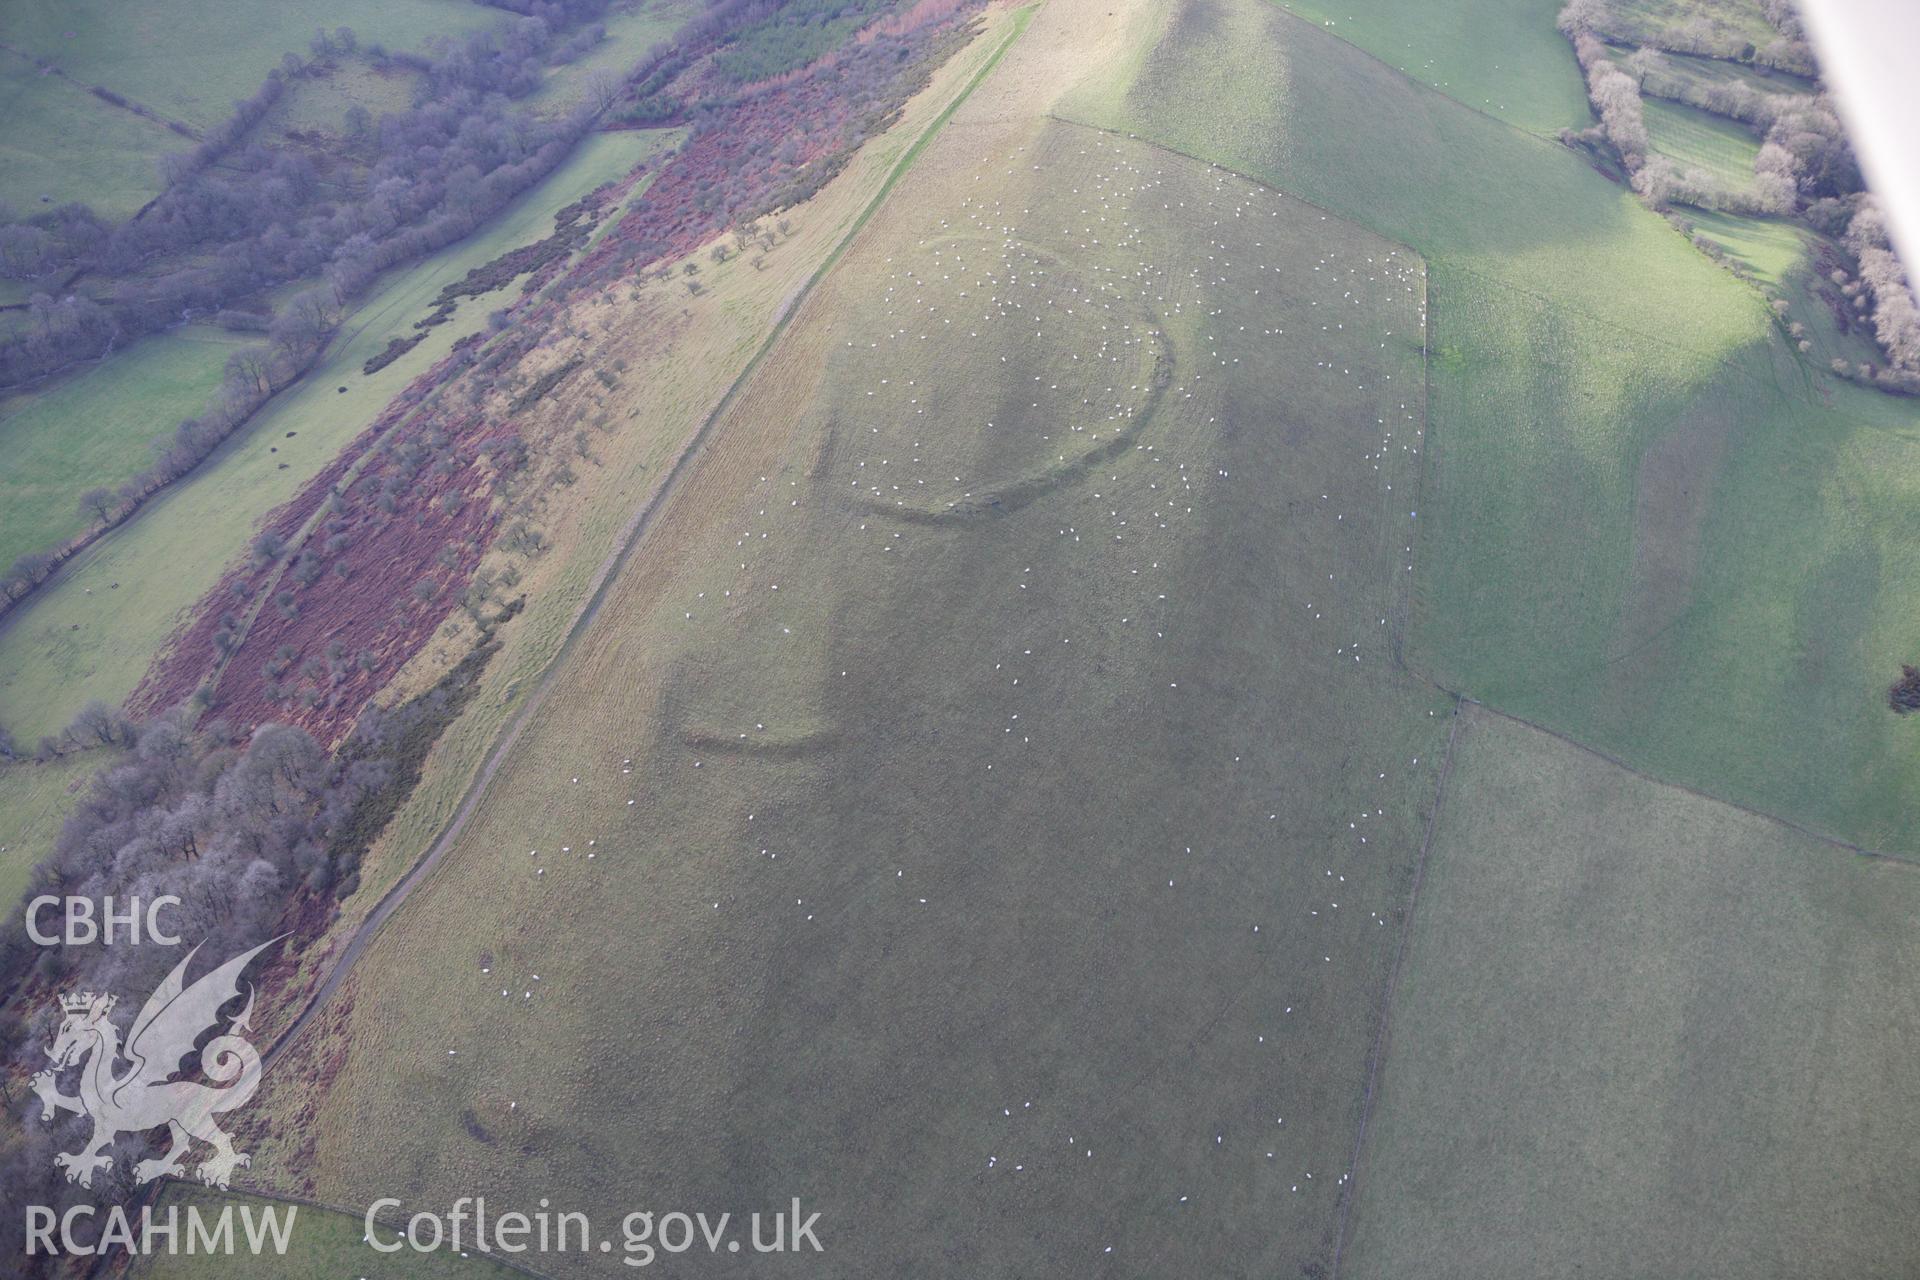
(826, 929)
(323, 1244)
(1637, 497)
(683, 353)
(94, 428)
(76, 639)
(1641, 1033)
(1721, 148)
(1503, 57)
(319, 101)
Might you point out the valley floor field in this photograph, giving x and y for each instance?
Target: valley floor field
(79, 637)
(94, 428)
(33, 801)
(114, 171)
(1721, 148)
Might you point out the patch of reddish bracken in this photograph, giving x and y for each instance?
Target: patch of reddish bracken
(317, 650)
(336, 616)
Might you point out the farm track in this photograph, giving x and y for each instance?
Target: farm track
(630, 539)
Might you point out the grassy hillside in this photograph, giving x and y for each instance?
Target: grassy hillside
(1641, 506)
(1502, 57)
(1335, 126)
(81, 638)
(1117, 731)
(1209, 485)
(682, 352)
(1624, 1004)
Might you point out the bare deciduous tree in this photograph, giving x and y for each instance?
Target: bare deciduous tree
(99, 503)
(600, 90)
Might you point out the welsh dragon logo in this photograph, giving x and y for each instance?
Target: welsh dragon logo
(174, 1016)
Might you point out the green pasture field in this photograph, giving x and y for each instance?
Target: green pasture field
(1641, 1033)
(1770, 249)
(190, 60)
(1765, 608)
(61, 144)
(1710, 71)
(77, 638)
(1782, 258)
(988, 806)
(34, 799)
(95, 427)
(1648, 523)
(1501, 57)
(1343, 130)
(1694, 139)
(324, 1244)
(187, 61)
(1023, 792)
